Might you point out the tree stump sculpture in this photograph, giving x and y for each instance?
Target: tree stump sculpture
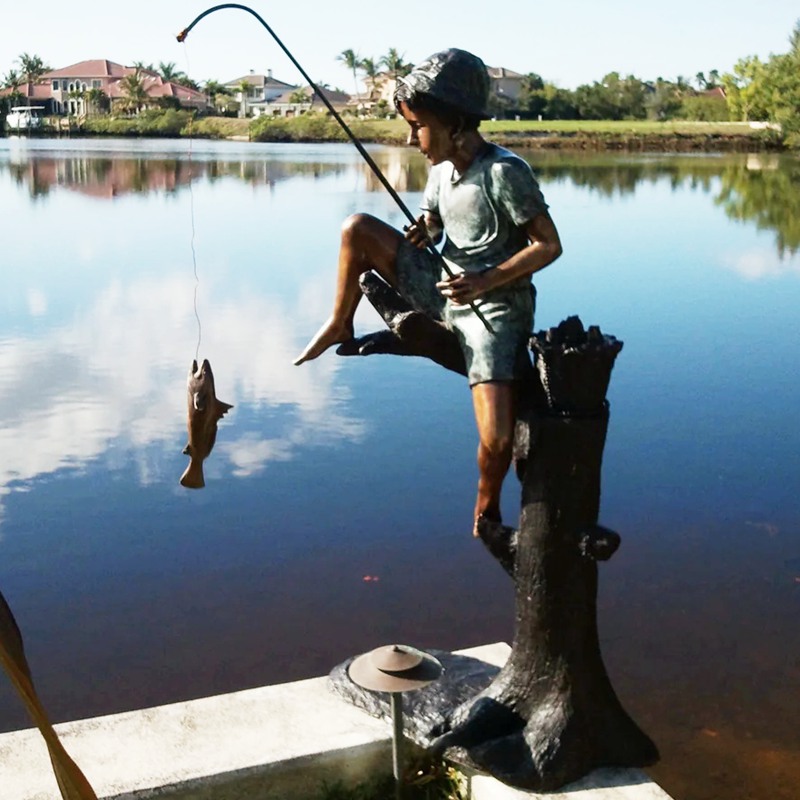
(550, 715)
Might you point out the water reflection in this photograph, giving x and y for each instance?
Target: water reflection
(107, 178)
(113, 382)
(764, 191)
(346, 468)
(756, 188)
(749, 188)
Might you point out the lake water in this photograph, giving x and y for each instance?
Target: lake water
(336, 513)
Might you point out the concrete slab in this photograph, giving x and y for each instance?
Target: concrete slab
(602, 784)
(267, 743)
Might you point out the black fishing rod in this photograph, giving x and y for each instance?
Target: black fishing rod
(353, 138)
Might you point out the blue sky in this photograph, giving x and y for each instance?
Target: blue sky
(566, 41)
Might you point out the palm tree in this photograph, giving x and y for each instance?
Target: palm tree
(12, 80)
(76, 95)
(244, 89)
(370, 69)
(393, 62)
(169, 71)
(142, 67)
(97, 100)
(133, 89)
(352, 61)
(185, 80)
(299, 96)
(700, 80)
(32, 67)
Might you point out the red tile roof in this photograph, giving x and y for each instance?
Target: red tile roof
(98, 68)
(111, 73)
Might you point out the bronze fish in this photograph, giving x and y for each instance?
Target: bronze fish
(205, 411)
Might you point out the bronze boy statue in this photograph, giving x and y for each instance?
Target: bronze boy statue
(486, 202)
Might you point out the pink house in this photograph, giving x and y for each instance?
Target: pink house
(58, 90)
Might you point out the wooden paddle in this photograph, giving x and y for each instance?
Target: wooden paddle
(71, 781)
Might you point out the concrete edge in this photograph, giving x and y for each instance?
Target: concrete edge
(269, 743)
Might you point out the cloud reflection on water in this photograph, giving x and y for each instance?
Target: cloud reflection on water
(114, 378)
(755, 264)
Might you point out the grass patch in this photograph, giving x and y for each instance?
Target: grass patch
(321, 127)
(218, 128)
(157, 123)
(324, 128)
(636, 126)
(429, 781)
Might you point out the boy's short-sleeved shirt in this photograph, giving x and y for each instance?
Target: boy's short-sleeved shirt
(483, 210)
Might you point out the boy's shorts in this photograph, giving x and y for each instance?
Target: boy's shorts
(509, 310)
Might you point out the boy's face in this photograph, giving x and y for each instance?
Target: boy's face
(429, 134)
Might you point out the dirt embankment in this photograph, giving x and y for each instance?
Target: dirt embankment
(641, 142)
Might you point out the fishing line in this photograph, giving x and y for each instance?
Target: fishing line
(191, 216)
(353, 138)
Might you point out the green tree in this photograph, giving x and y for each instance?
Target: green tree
(12, 80)
(77, 95)
(393, 63)
(352, 61)
(32, 67)
(370, 67)
(243, 87)
(704, 109)
(97, 101)
(663, 101)
(217, 93)
(748, 90)
(560, 103)
(299, 96)
(134, 93)
(169, 71)
(612, 98)
(185, 80)
(783, 76)
(532, 99)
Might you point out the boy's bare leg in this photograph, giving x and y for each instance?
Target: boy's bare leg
(367, 243)
(494, 405)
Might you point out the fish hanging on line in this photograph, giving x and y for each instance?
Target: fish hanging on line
(205, 411)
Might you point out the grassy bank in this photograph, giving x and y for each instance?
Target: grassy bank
(638, 135)
(558, 134)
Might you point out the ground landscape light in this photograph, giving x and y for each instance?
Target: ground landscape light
(395, 668)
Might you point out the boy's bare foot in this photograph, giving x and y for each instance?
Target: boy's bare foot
(485, 518)
(329, 334)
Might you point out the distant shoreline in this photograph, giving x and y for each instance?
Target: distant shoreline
(592, 136)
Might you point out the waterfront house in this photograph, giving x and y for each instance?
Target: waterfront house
(262, 91)
(65, 91)
(505, 84)
(304, 99)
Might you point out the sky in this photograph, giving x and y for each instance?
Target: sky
(567, 42)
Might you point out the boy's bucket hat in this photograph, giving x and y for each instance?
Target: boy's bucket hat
(455, 77)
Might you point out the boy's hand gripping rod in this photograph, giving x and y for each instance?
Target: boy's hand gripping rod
(360, 147)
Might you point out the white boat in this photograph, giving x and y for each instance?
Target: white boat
(24, 118)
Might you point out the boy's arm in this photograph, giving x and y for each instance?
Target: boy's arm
(428, 228)
(544, 247)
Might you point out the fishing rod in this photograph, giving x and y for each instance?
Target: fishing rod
(353, 138)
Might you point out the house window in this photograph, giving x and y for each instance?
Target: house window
(72, 87)
(97, 84)
(55, 85)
